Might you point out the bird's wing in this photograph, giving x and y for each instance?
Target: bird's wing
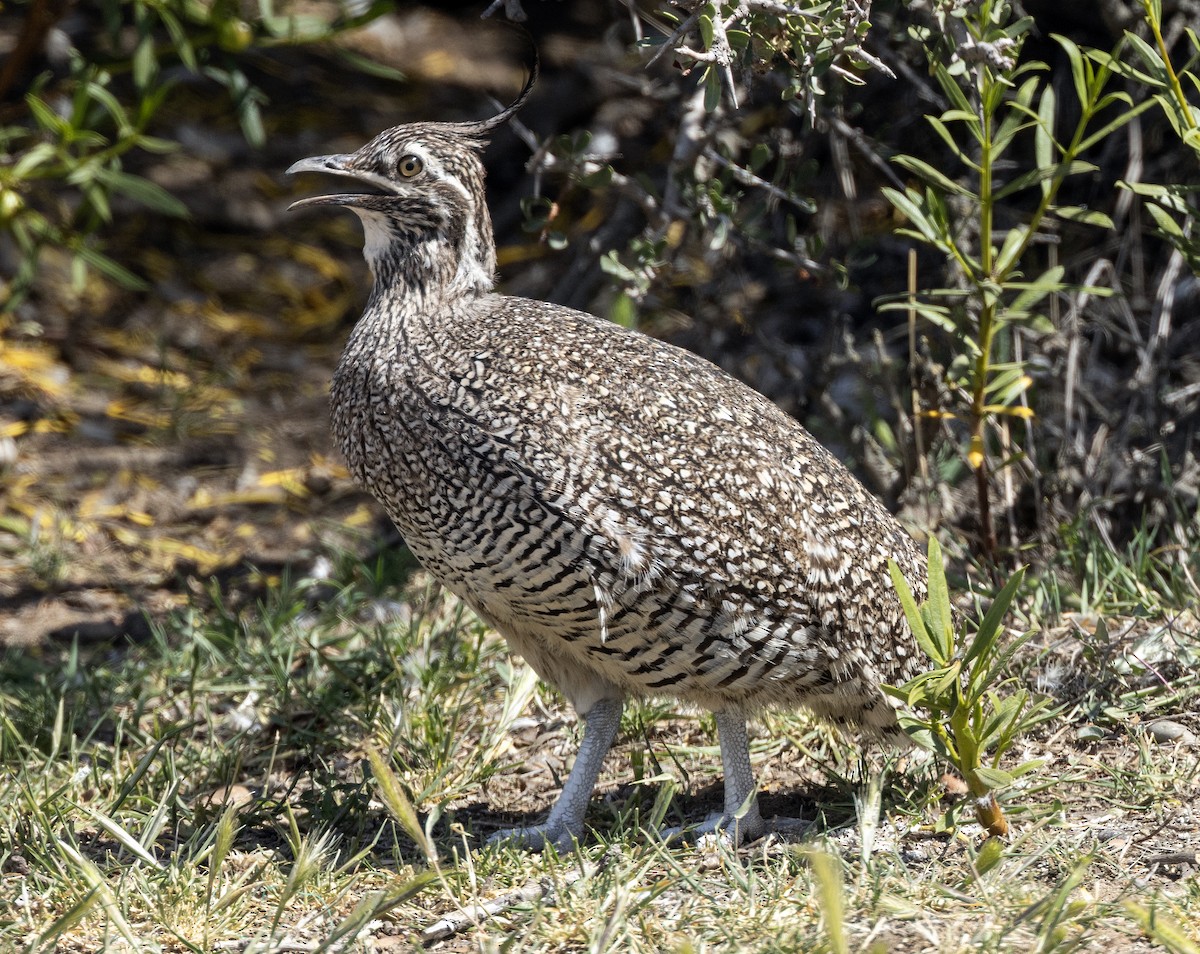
(673, 465)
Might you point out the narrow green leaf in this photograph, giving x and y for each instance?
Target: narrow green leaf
(939, 600)
(961, 116)
(46, 117)
(1026, 768)
(897, 692)
(954, 93)
(1035, 176)
(1166, 224)
(937, 315)
(179, 38)
(1048, 283)
(1010, 129)
(998, 664)
(1125, 115)
(1076, 213)
(1025, 180)
(95, 195)
(366, 65)
(156, 145)
(948, 679)
(915, 623)
(131, 844)
(941, 129)
(148, 193)
(112, 106)
(712, 89)
(931, 175)
(1078, 69)
(994, 778)
(106, 266)
(39, 155)
(1043, 137)
(1150, 57)
(905, 203)
(1013, 245)
(145, 63)
(250, 119)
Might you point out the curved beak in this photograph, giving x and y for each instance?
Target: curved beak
(340, 165)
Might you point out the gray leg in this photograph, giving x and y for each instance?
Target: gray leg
(565, 821)
(741, 791)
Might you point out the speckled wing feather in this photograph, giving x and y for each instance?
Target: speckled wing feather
(731, 559)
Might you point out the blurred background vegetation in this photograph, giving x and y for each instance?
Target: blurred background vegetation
(956, 240)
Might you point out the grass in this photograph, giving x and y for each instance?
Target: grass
(212, 789)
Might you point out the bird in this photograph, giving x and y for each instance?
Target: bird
(633, 520)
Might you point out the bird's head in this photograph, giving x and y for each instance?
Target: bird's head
(423, 209)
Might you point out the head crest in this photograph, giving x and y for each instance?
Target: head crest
(483, 127)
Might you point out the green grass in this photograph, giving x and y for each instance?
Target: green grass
(211, 789)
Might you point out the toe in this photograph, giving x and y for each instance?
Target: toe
(734, 830)
(535, 838)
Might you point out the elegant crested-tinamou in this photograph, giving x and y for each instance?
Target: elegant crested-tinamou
(633, 520)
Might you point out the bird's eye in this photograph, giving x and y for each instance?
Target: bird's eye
(410, 166)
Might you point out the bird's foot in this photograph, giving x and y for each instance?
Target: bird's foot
(720, 828)
(536, 837)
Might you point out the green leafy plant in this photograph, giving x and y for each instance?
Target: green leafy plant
(1161, 76)
(814, 40)
(958, 709)
(81, 147)
(1172, 205)
(77, 131)
(997, 104)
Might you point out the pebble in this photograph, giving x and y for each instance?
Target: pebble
(1166, 731)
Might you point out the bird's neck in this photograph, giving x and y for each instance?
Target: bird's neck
(432, 265)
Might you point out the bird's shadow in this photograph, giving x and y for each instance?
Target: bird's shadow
(800, 814)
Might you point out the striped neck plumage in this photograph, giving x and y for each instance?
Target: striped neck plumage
(444, 257)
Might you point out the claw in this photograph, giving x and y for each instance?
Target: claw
(733, 830)
(536, 838)
(719, 826)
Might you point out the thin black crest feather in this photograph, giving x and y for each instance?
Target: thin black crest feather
(481, 128)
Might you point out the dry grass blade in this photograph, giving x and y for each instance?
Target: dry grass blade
(399, 805)
(98, 884)
(473, 915)
(1161, 929)
(827, 873)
